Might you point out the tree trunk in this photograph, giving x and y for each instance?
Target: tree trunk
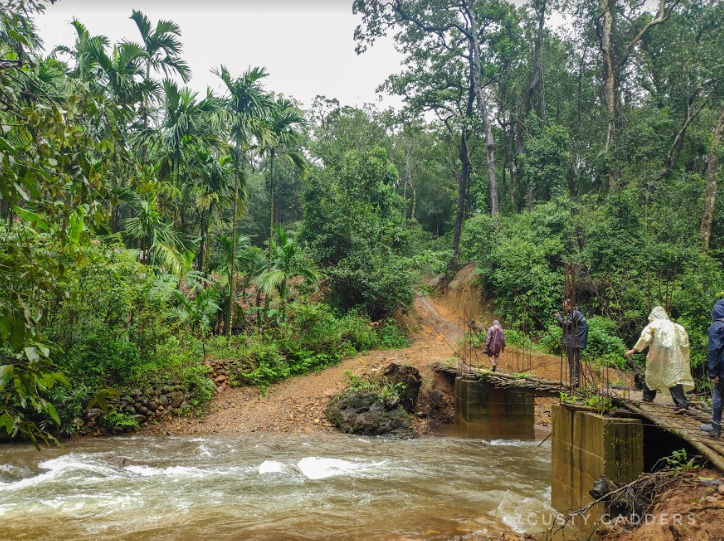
(609, 84)
(202, 244)
(673, 155)
(483, 110)
(408, 178)
(535, 82)
(271, 204)
(144, 148)
(710, 194)
(462, 190)
(232, 263)
(413, 212)
(511, 164)
(612, 66)
(531, 197)
(5, 211)
(205, 253)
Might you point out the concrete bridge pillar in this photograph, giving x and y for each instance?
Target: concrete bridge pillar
(485, 411)
(587, 445)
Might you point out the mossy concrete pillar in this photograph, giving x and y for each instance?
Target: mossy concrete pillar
(587, 445)
(485, 411)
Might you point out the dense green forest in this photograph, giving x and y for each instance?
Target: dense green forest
(144, 225)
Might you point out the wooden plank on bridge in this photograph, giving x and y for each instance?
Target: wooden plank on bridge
(686, 426)
(505, 380)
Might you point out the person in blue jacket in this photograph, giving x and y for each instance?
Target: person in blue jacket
(575, 338)
(715, 368)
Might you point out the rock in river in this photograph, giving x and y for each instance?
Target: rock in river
(368, 413)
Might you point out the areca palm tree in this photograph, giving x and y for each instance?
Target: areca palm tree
(249, 260)
(162, 46)
(120, 71)
(186, 122)
(283, 144)
(288, 261)
(247, 108)
(210, 188)
(117, 75)
(159, 242)
(163, 51)
(84, 62)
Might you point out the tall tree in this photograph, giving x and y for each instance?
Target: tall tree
(711, 170)
(186, 122)
(248, 107)
(465, 30)
(51, 180)
(282, 143)
(116, 73)
(210, 188)
(619, 26)
(163, 51)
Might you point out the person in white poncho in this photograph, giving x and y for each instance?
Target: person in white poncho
(667, 363)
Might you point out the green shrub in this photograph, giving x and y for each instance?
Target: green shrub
(373, 281)
(603, 342)
(354, 225)
(197, 384)
(313, 337)
(552, 340)
(391, 335)
(122, 420)
(376, 384)
(430, 261)
(520, 263)
(108, 326)
(517, 339)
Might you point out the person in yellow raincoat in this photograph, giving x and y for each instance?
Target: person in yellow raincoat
(667, 363)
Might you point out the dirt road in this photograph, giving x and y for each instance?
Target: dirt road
(297, 404)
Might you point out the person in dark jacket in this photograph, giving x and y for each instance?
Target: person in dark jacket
(495, 343)
(715, 368)
(575, 338)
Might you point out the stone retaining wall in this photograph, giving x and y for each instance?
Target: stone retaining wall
(144, 405)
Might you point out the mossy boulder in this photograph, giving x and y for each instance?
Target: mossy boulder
(369, 413)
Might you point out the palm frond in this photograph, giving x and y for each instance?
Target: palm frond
(271, 280)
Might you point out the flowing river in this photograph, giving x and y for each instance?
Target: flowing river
(272, 487)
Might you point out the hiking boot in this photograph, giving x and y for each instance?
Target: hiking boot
(712, 428)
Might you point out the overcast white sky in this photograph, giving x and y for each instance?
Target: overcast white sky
(306, 47)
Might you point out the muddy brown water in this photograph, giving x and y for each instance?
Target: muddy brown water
(268, 487)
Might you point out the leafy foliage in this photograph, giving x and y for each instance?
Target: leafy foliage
(353, 222)
(312, 338)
